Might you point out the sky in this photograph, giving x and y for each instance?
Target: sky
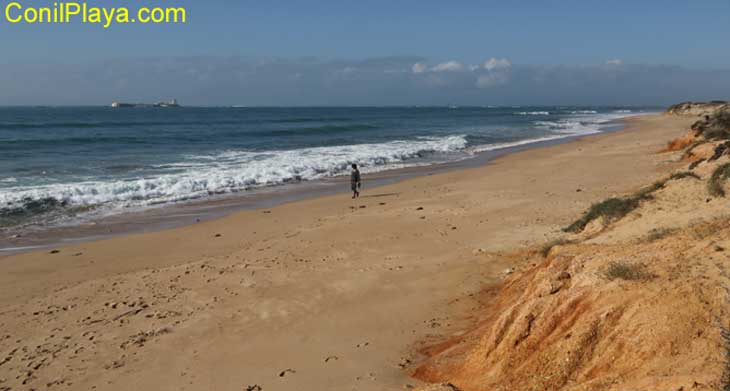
(397, 52)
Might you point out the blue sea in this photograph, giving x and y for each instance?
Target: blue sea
(64, 164)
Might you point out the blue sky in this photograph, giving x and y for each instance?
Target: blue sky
(311, 38)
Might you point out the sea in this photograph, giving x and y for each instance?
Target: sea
(66, 165)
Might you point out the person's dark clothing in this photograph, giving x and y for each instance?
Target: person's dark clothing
(355, 180)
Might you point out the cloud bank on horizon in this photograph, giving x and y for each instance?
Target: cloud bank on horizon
(397, 80)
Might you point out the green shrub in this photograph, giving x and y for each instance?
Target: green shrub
(718, 178)
(644, 192)
(616, 208)
(717, 127)
(612, 209)
(682, 175)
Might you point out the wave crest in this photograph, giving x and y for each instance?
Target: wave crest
(226, 172)
(532, 113)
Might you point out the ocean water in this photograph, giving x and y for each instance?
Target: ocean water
(64, 164)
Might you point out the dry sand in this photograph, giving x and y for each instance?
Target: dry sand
(323, 294)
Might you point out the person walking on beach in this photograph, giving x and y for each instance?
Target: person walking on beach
(355, 181)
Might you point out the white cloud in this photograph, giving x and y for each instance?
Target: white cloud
(615, 62)
(492, 79)
(211, 80)
(419, 67)
(449, 66)
(497, 63)
(497, 72)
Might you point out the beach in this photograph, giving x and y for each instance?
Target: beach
(327, 293)
(66, 172)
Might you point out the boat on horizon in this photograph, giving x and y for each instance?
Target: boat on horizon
(170, 103)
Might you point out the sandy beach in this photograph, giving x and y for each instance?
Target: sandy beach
(322, 294)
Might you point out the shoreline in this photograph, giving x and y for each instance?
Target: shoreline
(176, 215)
(331, 293)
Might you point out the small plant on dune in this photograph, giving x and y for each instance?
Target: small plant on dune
(698, 125)
(706, 229)
(716, 127)
(703, 231)
(645, 192)
(718, 178)
(682, 175)
(616, 208)
(545, 249)
(625, 271)
(696, 163)
(688, 150)
(716, 133)
(612, 209)
(660, 233)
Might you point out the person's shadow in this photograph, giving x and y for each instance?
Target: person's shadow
(380, 195)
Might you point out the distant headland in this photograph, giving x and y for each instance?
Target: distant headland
(170, 103)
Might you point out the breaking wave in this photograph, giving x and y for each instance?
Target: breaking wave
(226, 172)
(532, 113)
(559, 129)
(257, 156)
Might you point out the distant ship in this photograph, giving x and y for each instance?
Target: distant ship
(170, 103)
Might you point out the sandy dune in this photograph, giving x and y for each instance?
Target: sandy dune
(636, 302)
(324, 294)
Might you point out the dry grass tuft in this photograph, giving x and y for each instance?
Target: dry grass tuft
(705, 230)
(660, 233)
(626, 271)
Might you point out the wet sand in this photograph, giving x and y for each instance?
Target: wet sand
(318, 294)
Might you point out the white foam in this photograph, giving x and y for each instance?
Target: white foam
(568, 127)
(498, 146)
(584, 112)
(21, 248)
(532, 113)
(232, 171)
